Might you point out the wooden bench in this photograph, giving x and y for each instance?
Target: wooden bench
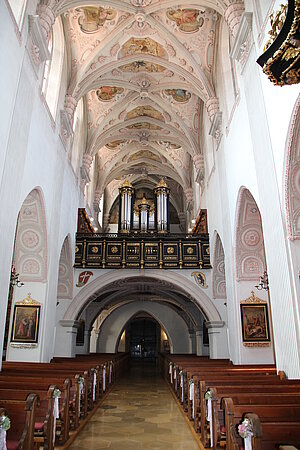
(22, 416)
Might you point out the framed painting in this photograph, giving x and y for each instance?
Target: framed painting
(255, 320)
(26, 318)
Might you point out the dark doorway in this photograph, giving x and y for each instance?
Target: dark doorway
(144, 334)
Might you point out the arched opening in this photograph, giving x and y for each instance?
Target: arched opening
(250, 267)
(142, 338)
(30, 263)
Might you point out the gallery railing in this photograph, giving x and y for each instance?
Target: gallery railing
(134, 251)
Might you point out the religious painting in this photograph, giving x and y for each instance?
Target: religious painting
(145, 111)
(143, 154)
(114, 144)
(92, 18)
(142, 66)
(179, 95)
(255, 321)
(107, 93)
(141, 125)
(187, 20)
(145, 46)
(26, 319)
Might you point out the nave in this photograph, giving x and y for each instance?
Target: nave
(139, 413)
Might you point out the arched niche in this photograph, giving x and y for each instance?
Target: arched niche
(30, 254)
(250, 251)
(219, 281)
(292, 175)
(174, 325)
(65, 272)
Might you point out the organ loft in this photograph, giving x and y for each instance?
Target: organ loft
(150, 233)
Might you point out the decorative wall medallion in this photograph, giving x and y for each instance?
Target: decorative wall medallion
(26, 322)
(107, 93)
(190, 250)
(92, 19)
(83, 278)
(200, 279)
(255, 322)
(76, 249)
(179, 95)
(187, 20)
(95, 249)
(114, 249)
(145, 46)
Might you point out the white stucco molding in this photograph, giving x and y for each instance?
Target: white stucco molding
(214, 324)
(38, 37)
(243, 40)
(91, 290)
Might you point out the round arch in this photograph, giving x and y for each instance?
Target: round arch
(89, 292)
(168, 319)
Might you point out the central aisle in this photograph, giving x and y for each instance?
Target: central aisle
(139, 413)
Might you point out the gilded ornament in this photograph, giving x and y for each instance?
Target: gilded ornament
(95, 249)
(170, 250)
(190, 250)
(114, 249)
(200, 279)
(76, 249)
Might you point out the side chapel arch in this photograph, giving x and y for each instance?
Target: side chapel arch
(250, 251)
(292, 175)
(30, 254)
(65, 272)
(219, 281)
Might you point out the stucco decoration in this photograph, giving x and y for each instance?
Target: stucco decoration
(92, 18)
(219, 282)
(142, 66)
(250, 252)
(292, 177)
(142, 46)
(30, 255)
(179, 95)
(187, 20)
(107, 93)
(65, 272)
(145, 111)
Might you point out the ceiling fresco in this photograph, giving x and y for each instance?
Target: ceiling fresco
(144, 69)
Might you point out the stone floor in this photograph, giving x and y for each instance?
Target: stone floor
(139, 413)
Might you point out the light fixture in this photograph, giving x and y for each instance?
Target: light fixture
(263, 282)
(96, 229)
(193, 221)
(14, 278)
(92, 219)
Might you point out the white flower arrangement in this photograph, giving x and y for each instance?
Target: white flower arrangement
(191, 381)
(81, 380)
(245, 429)
(57, 393)
(181, 372)
(208, 395)
(4, 423)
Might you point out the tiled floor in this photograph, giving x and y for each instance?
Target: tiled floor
(140, 413)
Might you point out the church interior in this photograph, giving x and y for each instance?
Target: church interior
(150, 233)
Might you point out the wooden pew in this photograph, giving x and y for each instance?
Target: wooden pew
(22, 416)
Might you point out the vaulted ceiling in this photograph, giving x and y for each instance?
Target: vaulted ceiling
(145, 71)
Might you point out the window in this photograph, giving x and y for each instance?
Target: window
(18, 9)
(53, 67)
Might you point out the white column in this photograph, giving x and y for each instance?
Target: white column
(218, 345)
(199, 341)
(66, 338)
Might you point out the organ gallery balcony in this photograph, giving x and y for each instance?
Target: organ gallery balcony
(137, 250)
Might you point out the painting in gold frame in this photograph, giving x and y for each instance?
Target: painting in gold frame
(255, 322)
(26, 320)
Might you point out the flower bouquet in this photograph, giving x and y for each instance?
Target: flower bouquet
(245, 429)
